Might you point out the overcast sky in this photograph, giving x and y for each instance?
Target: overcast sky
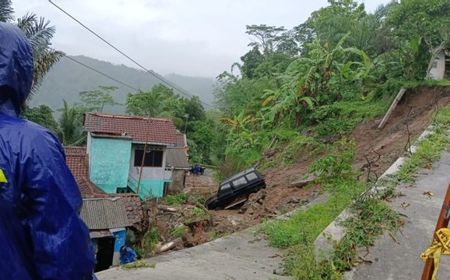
(189, 37)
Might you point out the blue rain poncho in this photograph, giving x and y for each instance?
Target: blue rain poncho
(127, 255)
(41, 233)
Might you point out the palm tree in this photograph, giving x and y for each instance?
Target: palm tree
(6, 10)
(40, 33)
(70, 125)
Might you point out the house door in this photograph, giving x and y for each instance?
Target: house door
(105, 253)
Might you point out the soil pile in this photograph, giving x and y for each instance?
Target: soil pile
(376, 150)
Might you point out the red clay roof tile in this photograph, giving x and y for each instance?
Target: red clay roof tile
(76, 159)
(140, 129)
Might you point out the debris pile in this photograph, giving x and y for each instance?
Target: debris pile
(179, 226)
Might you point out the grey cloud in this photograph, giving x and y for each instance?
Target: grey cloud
(195, 37)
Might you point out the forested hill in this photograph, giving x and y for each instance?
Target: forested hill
(67, 79)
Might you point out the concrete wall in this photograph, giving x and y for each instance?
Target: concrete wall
(178, 179)
(152, 179)
(120, 235)
(437, 72)
(154, 173)
(148, 187)
(109, 162)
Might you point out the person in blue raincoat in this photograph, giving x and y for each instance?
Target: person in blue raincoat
(127, 255)
(41, 233)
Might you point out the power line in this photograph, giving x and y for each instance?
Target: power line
(151, 72)
(101, 73)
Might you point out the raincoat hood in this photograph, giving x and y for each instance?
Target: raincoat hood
(16, 67)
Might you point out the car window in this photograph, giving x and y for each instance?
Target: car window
(251, 176)
(238, 175)
(239, 182)
(225, 187)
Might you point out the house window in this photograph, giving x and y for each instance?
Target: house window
(152, 158)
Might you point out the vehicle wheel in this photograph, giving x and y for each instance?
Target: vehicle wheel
(212, 203)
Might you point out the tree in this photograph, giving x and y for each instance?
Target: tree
(428, 19)
(40, 33)
(6, 10)
(42, 115)
(151, 103)
(201, 140)
(71, 125)
(194, 109)
(426, 22)
(251, 60)
(96, 99)
(331, 23)
(265, 37)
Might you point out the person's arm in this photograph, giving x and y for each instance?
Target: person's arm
(60, 240)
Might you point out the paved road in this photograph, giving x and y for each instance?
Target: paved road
(392, 260)
(240, 256)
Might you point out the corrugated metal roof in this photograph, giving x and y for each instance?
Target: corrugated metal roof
(100, 234)
(177, 158)
(104, 213)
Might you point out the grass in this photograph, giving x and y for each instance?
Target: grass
(372, 216)
(178, 231)
(299, 232)
(195, 214)
(149, 243)
(429, 149)
(176, 199)
(427, 83)
(138, 264)
(341, 117)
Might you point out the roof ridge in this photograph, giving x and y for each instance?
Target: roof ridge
(119, 116)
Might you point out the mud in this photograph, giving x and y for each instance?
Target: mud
(376, 150)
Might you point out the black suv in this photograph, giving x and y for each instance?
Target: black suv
(236, 189)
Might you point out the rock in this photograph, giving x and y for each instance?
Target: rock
(167, 208)
(302, 182)
(168, 246)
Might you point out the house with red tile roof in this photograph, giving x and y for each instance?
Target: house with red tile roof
(76, 159)
(129, 153)
(106, 215)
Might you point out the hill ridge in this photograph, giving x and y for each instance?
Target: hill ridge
(66, 79)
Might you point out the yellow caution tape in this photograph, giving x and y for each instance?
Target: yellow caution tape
(440, 246)
(3, 177)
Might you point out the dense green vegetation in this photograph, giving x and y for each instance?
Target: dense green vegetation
(324, 76)
(307, 85)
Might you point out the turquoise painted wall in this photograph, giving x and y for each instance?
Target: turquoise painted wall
(109, 162)
(149, 187)
(120, 239)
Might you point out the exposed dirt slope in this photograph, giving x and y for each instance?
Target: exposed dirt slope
(376, 151)
(412, 115)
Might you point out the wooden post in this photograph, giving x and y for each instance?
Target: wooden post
(142, 167)
(442, 222)
(392, 107)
